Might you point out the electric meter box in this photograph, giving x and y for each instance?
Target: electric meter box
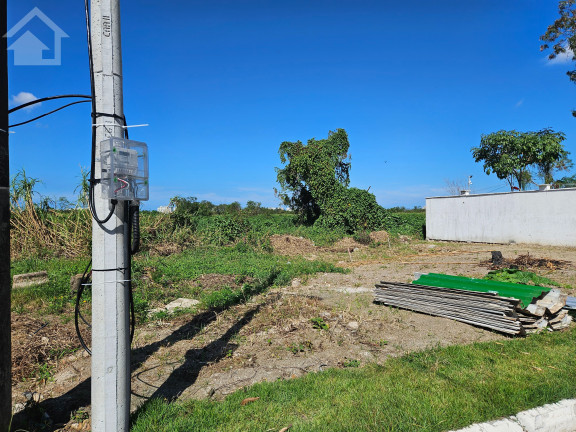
(124, 169)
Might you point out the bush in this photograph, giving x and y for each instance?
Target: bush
(224, 230)
(412, 224)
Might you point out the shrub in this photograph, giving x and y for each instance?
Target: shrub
(224, 230)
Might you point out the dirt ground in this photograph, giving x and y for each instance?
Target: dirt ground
(325, 321)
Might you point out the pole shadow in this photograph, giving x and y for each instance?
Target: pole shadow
(62, 407)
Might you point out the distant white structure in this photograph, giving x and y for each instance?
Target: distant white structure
(545, 217)
(165, 209)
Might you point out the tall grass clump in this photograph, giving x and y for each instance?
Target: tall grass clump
(38, 230)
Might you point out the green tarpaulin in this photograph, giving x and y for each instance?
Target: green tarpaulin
(524, 293)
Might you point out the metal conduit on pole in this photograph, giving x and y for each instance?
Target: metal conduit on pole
(5, 336)
(110, 298)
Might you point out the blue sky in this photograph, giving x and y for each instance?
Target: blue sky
(223, 83)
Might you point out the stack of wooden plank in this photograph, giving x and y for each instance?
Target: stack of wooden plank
(483, 309)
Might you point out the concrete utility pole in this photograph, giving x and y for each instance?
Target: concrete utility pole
(110, 300)
(5, 336)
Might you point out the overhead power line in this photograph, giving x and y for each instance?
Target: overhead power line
(47, 114)
(49, 98)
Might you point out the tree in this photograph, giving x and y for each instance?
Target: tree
(563, 35)
(253, 207)
(314, 173)
(547, 169)
(551, 155)
(314, 183)
(566, 182)
(511, 154)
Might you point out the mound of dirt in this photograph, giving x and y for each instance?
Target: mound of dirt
(290, 245)
(379, 236)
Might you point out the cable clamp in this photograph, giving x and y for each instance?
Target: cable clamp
(123, 127)
(111, 269)
(109, 282)
(116, 116)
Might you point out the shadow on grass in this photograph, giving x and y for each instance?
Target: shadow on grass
(62, 407)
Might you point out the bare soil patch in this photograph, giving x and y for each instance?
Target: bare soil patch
(276, 336)
(291, 245)
(165, 249)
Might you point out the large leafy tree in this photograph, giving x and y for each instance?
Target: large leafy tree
(313, 173)
(511, 155)
(562, 35)
(314, 183)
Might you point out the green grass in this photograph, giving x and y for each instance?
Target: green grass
(432, 390)
(169, 277)
(170, 274)
(52, 297)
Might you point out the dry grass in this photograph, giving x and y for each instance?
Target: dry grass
(284, 244)
(529, 262)
(50, 232)
(38, 344)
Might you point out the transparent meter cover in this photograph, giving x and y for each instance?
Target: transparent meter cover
(124, 169)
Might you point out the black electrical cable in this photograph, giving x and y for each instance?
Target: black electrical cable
(133, 242)
(93, 209)
(37, 101)
(77, 312)
(135, 229)
(129, 242)
(47, 114)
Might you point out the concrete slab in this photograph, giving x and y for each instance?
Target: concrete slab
(29, 279)
(496, 426)
(558, 417)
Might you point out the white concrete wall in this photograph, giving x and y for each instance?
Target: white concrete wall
(538, 217)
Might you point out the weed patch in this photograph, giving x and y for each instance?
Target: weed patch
(255, 270)
(520, 277)
(319, 323)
